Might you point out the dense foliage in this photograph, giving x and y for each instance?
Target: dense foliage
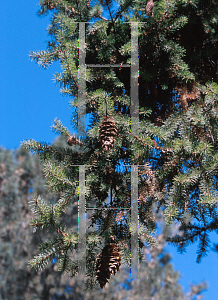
(175, 145)
(20, 176)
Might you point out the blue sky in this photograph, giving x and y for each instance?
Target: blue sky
(30, 101)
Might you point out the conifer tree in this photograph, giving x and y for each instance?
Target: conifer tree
(20, 176)
(176, 140)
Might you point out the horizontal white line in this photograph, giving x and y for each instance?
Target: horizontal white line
(117, 65)
(106, 208)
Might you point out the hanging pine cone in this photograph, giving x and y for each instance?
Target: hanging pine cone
(108, 263)
(107, 132)
(73, 141)
(149, 8)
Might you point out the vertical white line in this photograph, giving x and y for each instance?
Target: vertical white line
(134, 109)
(82, 82)
(82, 222)
(134, 221)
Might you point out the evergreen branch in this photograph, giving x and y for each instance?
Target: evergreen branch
(161, 149)
(64, 263)
(40, 208)
(68, 68)
(35, 146)
(46, 215)
(58, 248)
(41, 261)
(123, 7)
(191, 233)
(111, 16)
(101, 17)
(63, 202)
(45, 58)
(56, 177)
(58, 128)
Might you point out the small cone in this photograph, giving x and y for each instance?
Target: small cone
(73, 141)
(149, 8)
(107, 132)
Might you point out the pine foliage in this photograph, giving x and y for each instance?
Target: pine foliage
(21, 176)
(177, 139)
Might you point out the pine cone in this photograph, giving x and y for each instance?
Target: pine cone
(73, 141)
(149, 8)
(108, 263)
(107, 132)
